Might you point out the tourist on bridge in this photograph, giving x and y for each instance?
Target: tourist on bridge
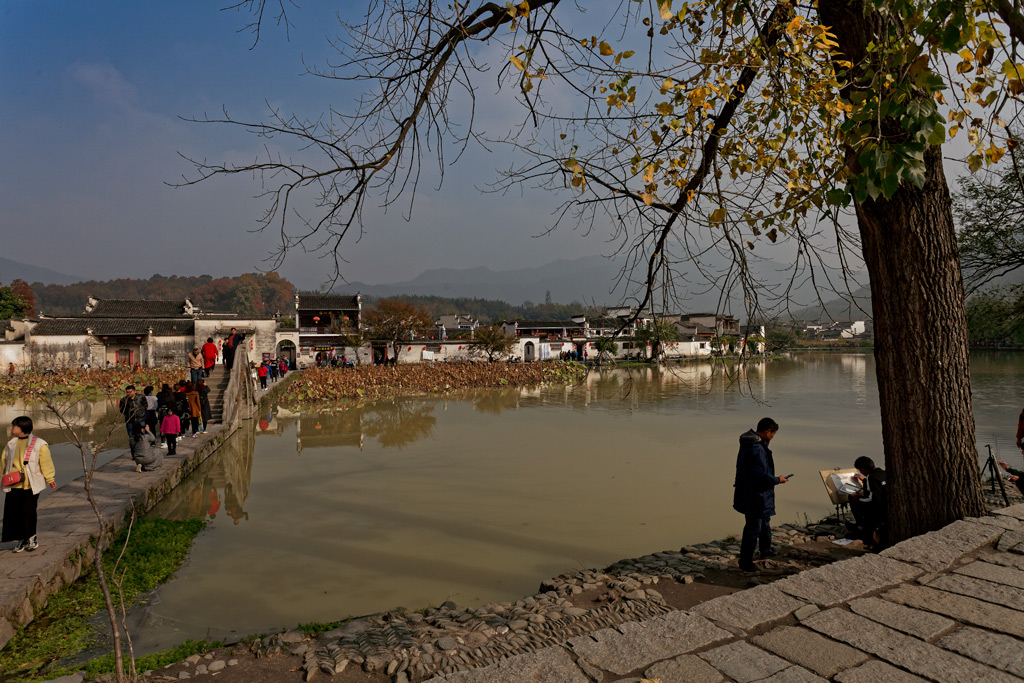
(170, 427)
(230, 346)
(205, 411)
(263, 372)
(195, 365)
(209, 356)
(29, 456)
(132, 407)
(754, 496)
(152, 406)
(195, 408)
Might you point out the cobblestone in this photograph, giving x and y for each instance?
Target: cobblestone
(743, 662)
(688, 668)
(903, 651)
(750, 608)
(877, 672)
(982, 590)
(937, 550)
(1008, 576)
(961, 608)
(841, 581)
(915, 622)
(994, 649)
(810, 650)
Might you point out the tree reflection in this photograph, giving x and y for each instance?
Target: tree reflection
(400, 423)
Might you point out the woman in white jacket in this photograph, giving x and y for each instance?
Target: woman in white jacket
(30, 457)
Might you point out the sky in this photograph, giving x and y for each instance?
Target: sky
(92, 101)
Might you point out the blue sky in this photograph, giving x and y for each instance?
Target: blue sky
(91, 100)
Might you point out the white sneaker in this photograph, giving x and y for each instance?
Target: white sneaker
(32, 543)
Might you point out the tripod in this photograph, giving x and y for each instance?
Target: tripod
(994, 475)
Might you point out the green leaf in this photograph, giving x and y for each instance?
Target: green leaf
(890, 183)
(938, 135)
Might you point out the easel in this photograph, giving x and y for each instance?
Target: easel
(840, 500)
(994, 475)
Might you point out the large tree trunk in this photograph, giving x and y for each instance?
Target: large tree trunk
(921, 355)
(921, 345)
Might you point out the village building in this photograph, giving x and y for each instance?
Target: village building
(455, 327)
(120, 332)
(325, 325)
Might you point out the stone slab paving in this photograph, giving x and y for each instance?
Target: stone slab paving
(67, 524)
(945, 607)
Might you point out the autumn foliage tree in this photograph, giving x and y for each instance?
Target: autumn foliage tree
(703, 133)
(492, 341)
(395, 320)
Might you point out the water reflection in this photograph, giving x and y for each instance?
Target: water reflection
(479, 496)
(220, 483)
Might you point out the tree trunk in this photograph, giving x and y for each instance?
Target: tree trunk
(921, 345)
(921, 355)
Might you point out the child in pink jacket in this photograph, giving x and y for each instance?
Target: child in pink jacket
(170, 427)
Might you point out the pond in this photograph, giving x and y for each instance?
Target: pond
(317, 516)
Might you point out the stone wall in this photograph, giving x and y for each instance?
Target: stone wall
(61, 352)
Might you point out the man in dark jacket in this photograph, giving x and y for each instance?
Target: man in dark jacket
(230, 346)
(755, 491)
(871, 506)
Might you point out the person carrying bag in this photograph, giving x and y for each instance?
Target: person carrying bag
(27, 469)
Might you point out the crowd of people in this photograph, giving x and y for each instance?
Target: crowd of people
(272, 369)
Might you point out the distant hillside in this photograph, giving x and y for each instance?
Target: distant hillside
(255, 294)
(15, 270)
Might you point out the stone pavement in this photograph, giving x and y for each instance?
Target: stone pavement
(947, 606)
(67, 525)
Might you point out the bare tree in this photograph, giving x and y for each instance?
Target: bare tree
(90, 450)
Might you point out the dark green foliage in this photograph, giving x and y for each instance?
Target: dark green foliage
(250, 294)
(11, 304)
(62, 629)
(492, 311)
(996, 316)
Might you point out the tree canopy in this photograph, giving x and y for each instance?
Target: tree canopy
(702, 133)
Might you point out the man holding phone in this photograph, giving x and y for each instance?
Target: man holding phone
(754, 496)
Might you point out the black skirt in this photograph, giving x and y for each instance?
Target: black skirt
(19, 515)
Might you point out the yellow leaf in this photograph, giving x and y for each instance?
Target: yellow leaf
(606, 49)
(718, 215)
(518, 63)
(648, 199)
(665, 9)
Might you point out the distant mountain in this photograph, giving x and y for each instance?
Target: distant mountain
(584, 279)
(15, 270)
(842, 308)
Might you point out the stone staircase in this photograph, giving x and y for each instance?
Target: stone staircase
(218, 383)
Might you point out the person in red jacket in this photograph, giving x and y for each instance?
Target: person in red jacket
(209, 356)
(263, 372)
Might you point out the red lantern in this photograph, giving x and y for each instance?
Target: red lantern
(316, 319)
(410, 348)
(460, 348)
(424, 348)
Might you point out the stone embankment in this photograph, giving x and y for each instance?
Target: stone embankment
(370, 382)
(67, 525)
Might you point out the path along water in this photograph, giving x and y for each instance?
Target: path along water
(412, 502)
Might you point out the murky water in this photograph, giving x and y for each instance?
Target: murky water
(416, 501)
(97, 423)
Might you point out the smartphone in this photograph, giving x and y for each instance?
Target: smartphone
(789, 476)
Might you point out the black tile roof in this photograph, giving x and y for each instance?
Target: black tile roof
(547, 324)
(138, 308)
(112, 326)
(328, 302)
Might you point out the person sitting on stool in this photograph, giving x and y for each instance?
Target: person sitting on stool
(870, 506)
(1016, 476)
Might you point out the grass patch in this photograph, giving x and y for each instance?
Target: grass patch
(61, 630)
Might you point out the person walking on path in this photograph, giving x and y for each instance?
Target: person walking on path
(195, 365)
(230, 346)
(754, 496)
(170, 428)
(30, 457)
(195, 408)
(206, 412)
(262, 372)
(209, 356)
(133, 409)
